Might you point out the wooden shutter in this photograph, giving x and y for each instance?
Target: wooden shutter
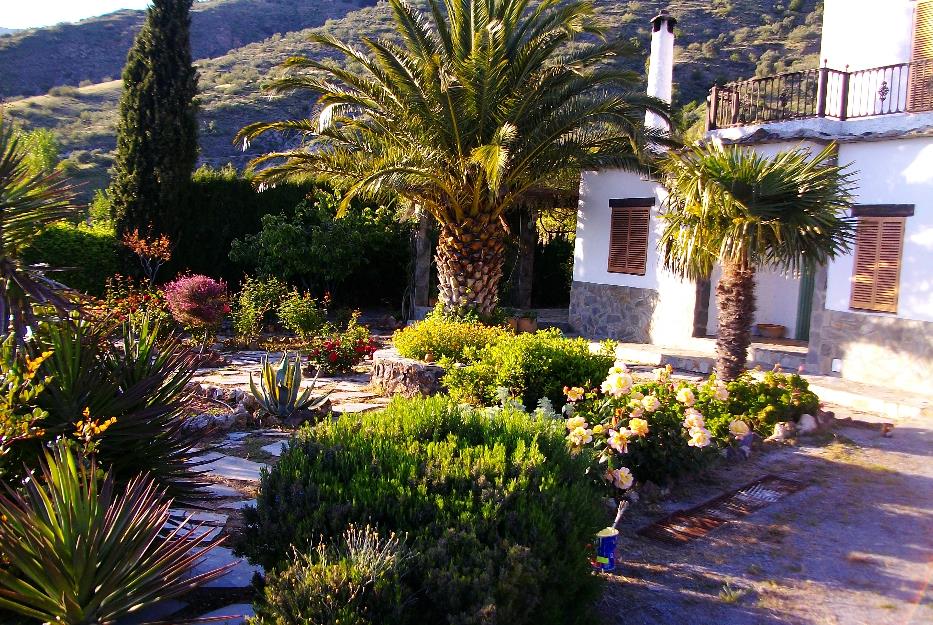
(876, 274)
(628, 239)
(920, 90)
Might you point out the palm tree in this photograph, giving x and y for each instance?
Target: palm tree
(743, 211)
(29, 201)
(480, 104)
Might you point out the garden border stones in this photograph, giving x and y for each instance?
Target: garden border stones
(394, 375)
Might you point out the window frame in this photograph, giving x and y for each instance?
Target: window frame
(639, 207)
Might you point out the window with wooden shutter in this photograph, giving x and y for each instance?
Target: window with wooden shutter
(920, 95)
(628, 235)
(876, 275)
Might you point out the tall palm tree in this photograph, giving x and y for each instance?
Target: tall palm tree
(474, 106)
(732, 207)
(29, 201)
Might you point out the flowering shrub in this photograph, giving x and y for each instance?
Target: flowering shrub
(339, 352)
(257, 298)
(660, 429)
(439, 337)
(125, 300)
(152, 251)
(197, 302)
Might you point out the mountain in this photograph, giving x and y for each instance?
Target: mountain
(94, 50)
(717, 41)
(6, 31)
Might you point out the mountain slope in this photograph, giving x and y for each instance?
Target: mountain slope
(716, 41)
(94, 50)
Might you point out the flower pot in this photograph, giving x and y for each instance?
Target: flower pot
(526, 324)
(513, 323)
(771, 330)
(606, 549)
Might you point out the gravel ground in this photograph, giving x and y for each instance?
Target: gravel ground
(854, 547)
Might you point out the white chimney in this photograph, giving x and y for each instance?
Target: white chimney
(661, 65)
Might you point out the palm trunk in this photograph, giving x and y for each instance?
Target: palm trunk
(469, 264)
(735, 299)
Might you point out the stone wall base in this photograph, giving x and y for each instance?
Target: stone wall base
(605, 311)
(395, 375)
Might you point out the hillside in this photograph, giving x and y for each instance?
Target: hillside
(716, 41)
(6, 31)
(94, 50)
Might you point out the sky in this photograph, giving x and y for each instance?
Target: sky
(31, 13)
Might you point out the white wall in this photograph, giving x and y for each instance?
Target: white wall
(894, 172)
(866, 33)
(672, 319)
(776, 299)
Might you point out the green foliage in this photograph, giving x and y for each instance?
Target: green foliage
(89, 255)
(157, 134)
(356, 581)
(279, 392)
(438, 337)
(42, 149)
(139, 382)
(302, 314)
(257, 298)
(20, 416)
(362, 255)
(530, 366)
(498, 514)
(77, 550)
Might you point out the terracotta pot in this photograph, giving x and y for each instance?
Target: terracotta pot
(771, 330)
(513, 323)
(527, 325)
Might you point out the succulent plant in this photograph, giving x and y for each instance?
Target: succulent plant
(279, 392)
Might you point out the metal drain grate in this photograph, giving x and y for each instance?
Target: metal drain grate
(687, 525)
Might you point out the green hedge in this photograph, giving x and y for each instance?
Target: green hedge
(497, 512)
(91, 255)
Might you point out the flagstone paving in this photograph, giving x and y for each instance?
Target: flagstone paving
(237, 613)
(230, 467)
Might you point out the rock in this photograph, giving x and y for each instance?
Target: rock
(650, 492)
(210, 421)
(783, 431)
(249, 402)
(241, 415)
(807, 424)
(395, 375)
(300, 417)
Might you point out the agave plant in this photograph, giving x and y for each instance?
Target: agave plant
(28, 202)
(77, 551)
(279, 393)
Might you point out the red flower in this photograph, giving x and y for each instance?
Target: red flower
(332, 357)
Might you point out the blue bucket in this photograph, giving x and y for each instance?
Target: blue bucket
(606, 549)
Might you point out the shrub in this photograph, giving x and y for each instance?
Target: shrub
(197, 302)
(356, 581)
(76, 550)
(257, 298)
(530, 366)
(20, 386)
(302, 314)
(126, 300)
(437, 337)
(340, 351)
(497, 512)
(88, 255)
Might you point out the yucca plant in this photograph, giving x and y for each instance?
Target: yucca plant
(29, 201)
(279, 392)
(78, 550)
(475, 108)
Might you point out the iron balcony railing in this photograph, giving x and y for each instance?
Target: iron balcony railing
(823, 92)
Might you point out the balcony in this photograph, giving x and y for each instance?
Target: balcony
(823, 93)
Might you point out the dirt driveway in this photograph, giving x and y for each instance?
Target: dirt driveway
(854, 547)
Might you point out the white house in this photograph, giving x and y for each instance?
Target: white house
(867, 316)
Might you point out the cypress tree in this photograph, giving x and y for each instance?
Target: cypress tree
(157, 133)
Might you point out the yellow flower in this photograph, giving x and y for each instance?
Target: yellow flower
(660, 374)
(621, 478)
(721, 393)
(638, 395)
(699, 437)
(599, 428)
(618, 440)
(685, 396)
(650, 403)
(573, 393)
(617, 368)
(575, 422)
(637, 412)
(638, 427)
(738, 428)
(617, 384)
(580, 436)
(693, 419)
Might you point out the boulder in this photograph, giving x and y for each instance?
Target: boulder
(783, 431)
(221, 422)
(394, 375)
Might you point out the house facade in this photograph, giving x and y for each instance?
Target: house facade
(867, 316)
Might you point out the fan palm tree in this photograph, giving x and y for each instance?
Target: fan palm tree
(480, 104)
(29, 201)
(733, 207)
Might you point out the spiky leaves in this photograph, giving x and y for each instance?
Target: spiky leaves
(29, 201)
(279, 392)
(157, 141)
(732, 207)
(481, 102)
(78, 550)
